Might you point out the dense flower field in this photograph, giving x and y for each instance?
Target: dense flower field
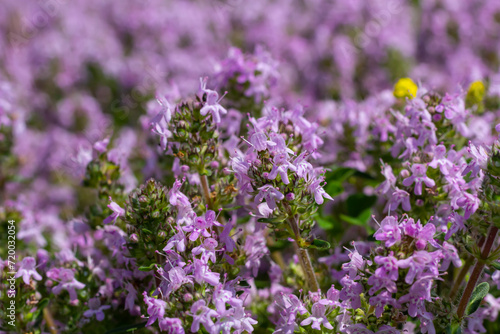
(264, 166)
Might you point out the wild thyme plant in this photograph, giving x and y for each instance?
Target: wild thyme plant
(335, 170)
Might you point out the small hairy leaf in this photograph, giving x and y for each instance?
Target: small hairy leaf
(477, 296)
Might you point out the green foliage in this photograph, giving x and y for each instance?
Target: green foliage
(149, 214)
(101, 182)
(477, 297)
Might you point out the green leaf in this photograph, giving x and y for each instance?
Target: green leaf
(361, 220)
(43, 303)
(339, 174)
(334, 188)
(274, 220)
(495, 265)
(326, 223)
(147, 268)
(320, 244)
(206, 172)
(145, 230)
(357, 203)
(236, 207)
(477, 297)
(453, 329)
(38, 314)
(127, 328)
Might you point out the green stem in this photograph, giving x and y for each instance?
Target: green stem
(49, 321)
(304, 259)
(461, 275)
(476, 272)
(463, 272)
(206, 191)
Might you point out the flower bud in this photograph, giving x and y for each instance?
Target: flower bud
(420, 244)
(134, 238)
(290, 196)
(404, 173)
(187, 297)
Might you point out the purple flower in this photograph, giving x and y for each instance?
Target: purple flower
(479, 160)
(96, 309)
(351, 292)
(156, 309)
(426, 235)
(178, 241)
(317, 318)
(421, 262)
(201, 226)
(289, 305)
(449, 254)
(163, 132)
(399, 197)
(281, 166)
(381, 282)
(470, 203)
(177, 198)
(117, 212)
(260, 141)
(221, 297)
(388, 267)
(390, 180)
(382, 299)
(212, 103)
(255, 248)
(318, 192)
(202, 315)
(358, 329)
(67, 281)
(28, 270)
(171, 326)
(235, 318)
(357, 263)
(226, 239)
(418, 177)
(458, 224)
(386, 329)
(389, 231)
(207, 250)
(202, 273)
(270, 194)
(426, 324)
(419, 292)
(440, 160)
(421, 234)
(131, 297)
(100, 146)
(176, 278)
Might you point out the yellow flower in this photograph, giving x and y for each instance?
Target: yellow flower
(405, 87)
(475, 93)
